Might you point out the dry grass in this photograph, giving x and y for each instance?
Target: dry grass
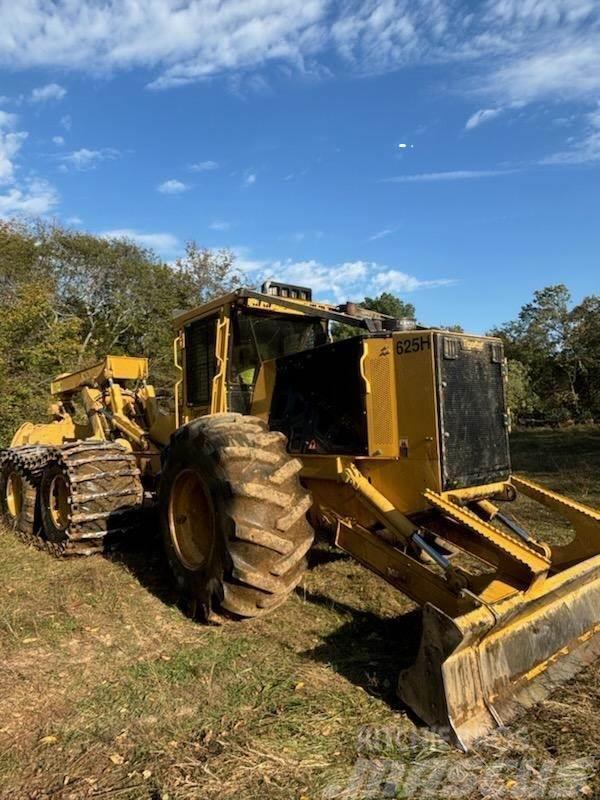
(107, 690)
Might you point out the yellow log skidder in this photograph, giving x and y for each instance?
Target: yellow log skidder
(397, 437)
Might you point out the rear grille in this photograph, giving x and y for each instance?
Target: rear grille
(472, 411)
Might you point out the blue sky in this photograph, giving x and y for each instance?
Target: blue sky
(446, 151)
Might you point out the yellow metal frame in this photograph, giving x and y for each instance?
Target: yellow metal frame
(119, 368)
(219, 384)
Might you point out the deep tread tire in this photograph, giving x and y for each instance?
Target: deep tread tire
(261, 534)
(25, 520)
(104, 496)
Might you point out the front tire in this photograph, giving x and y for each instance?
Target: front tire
(233, 516)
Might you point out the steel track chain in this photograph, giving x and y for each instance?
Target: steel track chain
(31, 460)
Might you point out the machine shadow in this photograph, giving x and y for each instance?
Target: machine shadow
(322, 553)
(142, 554)
(369, 651)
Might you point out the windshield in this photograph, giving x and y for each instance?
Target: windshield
(260, 338)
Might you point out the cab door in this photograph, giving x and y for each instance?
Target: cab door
(201, 366)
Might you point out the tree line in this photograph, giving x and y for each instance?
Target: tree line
(553, 351)
(68, 298)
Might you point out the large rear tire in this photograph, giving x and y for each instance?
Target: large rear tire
(233, 516)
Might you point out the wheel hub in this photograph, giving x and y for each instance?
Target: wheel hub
(191, 520)
(59, 502)
(14, 494)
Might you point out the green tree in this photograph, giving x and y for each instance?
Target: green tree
(69, 298)
(387, 303)
(207, 273)
(586, 348)
(560, 346)
(540, 338)
(35, 341)
(522, 400)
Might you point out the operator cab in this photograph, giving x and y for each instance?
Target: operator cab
(225, 342)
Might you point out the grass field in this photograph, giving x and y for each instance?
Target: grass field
(108, 691)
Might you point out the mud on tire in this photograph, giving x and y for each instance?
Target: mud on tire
(249, 552)
(17, 498)
(90, 492)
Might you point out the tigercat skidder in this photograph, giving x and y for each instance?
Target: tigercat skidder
(395, 438)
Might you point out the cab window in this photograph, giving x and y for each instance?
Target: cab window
(261, 337)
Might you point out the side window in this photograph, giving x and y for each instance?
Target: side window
(243, 366)
(200, 361)
(245, 360)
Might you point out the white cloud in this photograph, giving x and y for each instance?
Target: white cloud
(251, 266)
(301, 236)
(481, 116)
(52, 91)
(7, 120)
(537, 47)
(349, 280)
(582, 150)
(452, 175)
(58, 140)
(518, 51)
(249, 179)
(85, 159)
(381, 234)
(220, 225)
(11, 142)
(337, 279)
(172, 186)
(566, 69)
(396, 281)
(185, 41)
(66, 122)
(34, 198)
(163, 243)
(204, 166)
(377, 37)
(74, 220)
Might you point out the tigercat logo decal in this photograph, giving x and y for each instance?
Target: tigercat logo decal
(472, 344)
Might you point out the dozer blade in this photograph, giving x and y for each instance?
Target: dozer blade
(475, 671)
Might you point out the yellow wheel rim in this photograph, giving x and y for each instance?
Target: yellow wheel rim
(59, 502)
(14, 494)
(191, 520)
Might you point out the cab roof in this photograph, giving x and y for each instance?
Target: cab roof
(348, 313)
